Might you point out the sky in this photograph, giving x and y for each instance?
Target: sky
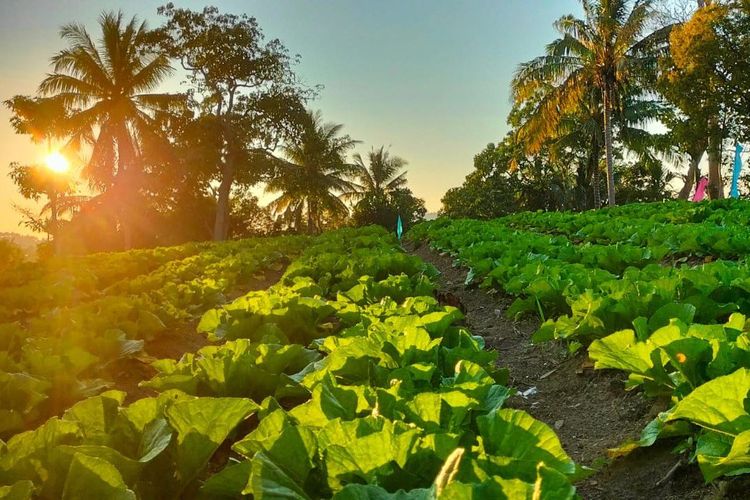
(430, 79)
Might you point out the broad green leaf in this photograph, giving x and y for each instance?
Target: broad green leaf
(329, 401)
(496, 397)
(370, 456)
(427, 410)
(373, 492)
(690, 356)
(437, 322)
(736, 462)
(269, 481)
(96, 415)
(663, 315)
(155, 438)
(202, 424)
(91, 477)
(495, 488)
(24, 451)
(21, 490)
(719, 404)
(228, 483)
(187, 383)
(128, 468)
(642, 331)
(294, 450)
(516, 434)
(551, 484)
(657, 428)
(210, 321)
(268, 431)
(622, 351)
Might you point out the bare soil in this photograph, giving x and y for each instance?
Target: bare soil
(590, 410)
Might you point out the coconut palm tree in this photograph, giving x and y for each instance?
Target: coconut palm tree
(606, 51)
(314, 175)
(108, 87)
(382, 176)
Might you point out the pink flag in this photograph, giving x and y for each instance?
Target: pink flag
(700, 191)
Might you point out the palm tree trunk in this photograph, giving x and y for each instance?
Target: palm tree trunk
(125, 185)
(597, 195)
(298, 220)
(608, 148)
(124, 212)
(54, 222)
(715, 183)
(310, 216)
(582, 185)
(692, 175)
(221, 224)
(593, 173)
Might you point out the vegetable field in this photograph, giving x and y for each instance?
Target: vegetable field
(657, 292)
(345, 379)
(341, 366)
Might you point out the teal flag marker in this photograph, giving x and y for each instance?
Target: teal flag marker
(399, 227)
(735, 192)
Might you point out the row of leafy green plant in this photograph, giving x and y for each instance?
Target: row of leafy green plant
(586, 291)
(703, 369)
(347, 379)
(61, 354)
(680, 332)
(36, 287)
(678, 229)
(33, 287)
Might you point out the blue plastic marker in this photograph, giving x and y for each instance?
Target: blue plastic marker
(399, 228)
(735, 192)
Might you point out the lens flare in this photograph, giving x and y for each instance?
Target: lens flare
(57, 162)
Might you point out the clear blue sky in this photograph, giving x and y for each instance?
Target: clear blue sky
(429, 78)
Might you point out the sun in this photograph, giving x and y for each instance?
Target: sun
(57, 162)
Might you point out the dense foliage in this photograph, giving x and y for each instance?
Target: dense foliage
(659, 291)
(162, 168)
(66, 322)
(596, 99)
(347, 379)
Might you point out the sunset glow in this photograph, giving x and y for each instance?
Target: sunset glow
(57, 162)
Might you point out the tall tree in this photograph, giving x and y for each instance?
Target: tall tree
(382, 193)
(707, 79)
(315, 175)
(506, 179)
(607, 50)
(45, 120)
(244, 88)
(579, 134)
(109, 89)
(37, 181)
(690, 82)
(382, 175)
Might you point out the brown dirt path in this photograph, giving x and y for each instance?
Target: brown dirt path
(589, 410)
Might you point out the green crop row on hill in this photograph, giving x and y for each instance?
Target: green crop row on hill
(622, 280)
(93, 314)
(347, 379)
(719, 229)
